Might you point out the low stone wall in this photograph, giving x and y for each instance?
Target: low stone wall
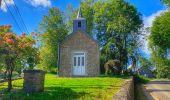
(34, 81)
(126, 92)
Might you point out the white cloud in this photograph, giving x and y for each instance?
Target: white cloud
(3, 4)
(148, 21)
(36, 3)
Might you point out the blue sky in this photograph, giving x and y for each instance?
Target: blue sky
(32, 11)
(32, 14)
(148, 7)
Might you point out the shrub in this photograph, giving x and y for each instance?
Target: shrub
(141, 79)
(53, 70)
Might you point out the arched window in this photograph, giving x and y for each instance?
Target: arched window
(79, 24)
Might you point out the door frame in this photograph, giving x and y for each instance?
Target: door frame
(84, 54)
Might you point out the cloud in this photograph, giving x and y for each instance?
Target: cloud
(36, 3)
(3, 4)
(148, 21)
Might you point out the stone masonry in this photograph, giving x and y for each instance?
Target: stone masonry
(79, 41)
(34, 81)
(126, 92)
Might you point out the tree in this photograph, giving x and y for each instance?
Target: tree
(88, 13)
(145, 63)
(53, 32)
(166, 2)
(12, 49)
(87, 9)
(117, 23)
(69, 15)
(159, 41)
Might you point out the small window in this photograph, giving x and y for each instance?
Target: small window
(82, 61)
(74, 61)
(79, 24)
(78, 61)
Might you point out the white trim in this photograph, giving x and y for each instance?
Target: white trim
(84, 67)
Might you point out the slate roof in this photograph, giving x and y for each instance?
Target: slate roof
(70, 35)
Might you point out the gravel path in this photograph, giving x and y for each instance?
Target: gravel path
(159, 89)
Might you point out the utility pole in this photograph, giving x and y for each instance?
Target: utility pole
(0, 3)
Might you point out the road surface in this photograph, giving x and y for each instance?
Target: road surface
(159, 89)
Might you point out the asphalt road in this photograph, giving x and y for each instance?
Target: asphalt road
(159, 89)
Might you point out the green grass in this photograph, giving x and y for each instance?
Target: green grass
(99, 88)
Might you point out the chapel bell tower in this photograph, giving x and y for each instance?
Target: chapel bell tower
(79, 23)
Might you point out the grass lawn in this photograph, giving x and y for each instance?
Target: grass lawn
(99, 88)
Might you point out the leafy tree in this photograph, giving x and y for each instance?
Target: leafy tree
(166, 2)
(159, 41)
(88, 13)
(145, 63)
(87, 8)
(12, 49)
(117, 23)
(69, 15)
(53, 31)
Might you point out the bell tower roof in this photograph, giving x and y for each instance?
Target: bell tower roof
(79, 14)
(79, 23)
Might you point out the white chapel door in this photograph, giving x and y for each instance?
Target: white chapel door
(79, 64)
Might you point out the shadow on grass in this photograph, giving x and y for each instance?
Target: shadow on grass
(50, 93)
(115, 76)
(92, 86)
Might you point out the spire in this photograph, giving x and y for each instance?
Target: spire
(79, 23)
(79, 14)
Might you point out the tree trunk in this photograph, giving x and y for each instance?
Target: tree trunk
(10, 79)
(5, 74)
(9, 83)
(10, 67)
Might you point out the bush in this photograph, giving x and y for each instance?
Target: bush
(163, 72)
(141, 79)
(14, 75)
(1, 75)
(53, 70)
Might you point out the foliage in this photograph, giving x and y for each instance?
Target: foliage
(87, 8)
(112, 67)
(70, 88)
(116, 26)
(159, 41)
(14, 75)
(166, 2)
(142, 79)
(88, 13)
(69, 15)
(53, 32)
(12, 49)
(145, 63)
